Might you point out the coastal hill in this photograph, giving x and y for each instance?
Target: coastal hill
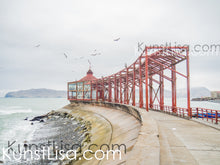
(37, 93)
(195, 92)
(50, 93)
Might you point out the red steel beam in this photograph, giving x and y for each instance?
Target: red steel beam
(96, 90)
(173, 89)
(127, 88)
(91, 90)
(168, 67)
(151, 91)
(161, 91)
(120, 88)
(133, 87)
(146, 78)
(103, 90)
(140, 85)
(109, 90)
(188, 84)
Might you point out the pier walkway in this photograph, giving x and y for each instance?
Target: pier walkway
(158, 138)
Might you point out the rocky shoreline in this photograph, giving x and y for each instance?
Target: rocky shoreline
(55, 131)
(211, 99)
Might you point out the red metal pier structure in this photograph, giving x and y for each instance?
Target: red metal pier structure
(136, 83)
(121, 87)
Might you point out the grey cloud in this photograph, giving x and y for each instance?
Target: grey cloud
(77, 28)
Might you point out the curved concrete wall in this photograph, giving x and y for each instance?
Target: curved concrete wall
(123, 107)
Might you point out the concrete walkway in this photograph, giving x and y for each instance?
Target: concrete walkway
(162, 139)
(186, 142)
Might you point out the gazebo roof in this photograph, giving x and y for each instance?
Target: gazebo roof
(89, 76)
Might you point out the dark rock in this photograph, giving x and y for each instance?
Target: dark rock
(38, 118)
(41, 121)
(1, 162)
(32, 123)
(26, 118)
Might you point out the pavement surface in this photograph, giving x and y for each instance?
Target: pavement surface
(185, 141)
(162, 139)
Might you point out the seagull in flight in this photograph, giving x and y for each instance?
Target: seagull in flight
(95, 54)
(37, 46)
(65, 55)
(117, 39)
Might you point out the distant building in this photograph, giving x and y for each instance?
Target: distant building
(81, 89)
(215, 94)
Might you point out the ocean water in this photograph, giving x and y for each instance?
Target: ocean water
(182, 102)
(13, 111)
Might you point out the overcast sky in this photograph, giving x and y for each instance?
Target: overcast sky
(77, 28)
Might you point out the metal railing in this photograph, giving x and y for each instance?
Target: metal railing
(205, 114)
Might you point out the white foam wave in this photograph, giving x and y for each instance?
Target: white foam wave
(13, 111)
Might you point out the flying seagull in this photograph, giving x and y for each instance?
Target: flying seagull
(65, 55)
(117, 39)
(95, 54)
(37, 46)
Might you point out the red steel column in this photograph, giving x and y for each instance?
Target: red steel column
(91, 90)
(161, 90)
(133, 86)
(140, 86)
(83, 90)
(146, 78)
(174, 89)
(96, 90)
(151, 91)
(103, 90)
(120, 86)
(109, 90)
(188, 83)
(125, 91)
(115, 89)
(127, 88)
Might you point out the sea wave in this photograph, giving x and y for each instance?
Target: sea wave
(13, 111)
